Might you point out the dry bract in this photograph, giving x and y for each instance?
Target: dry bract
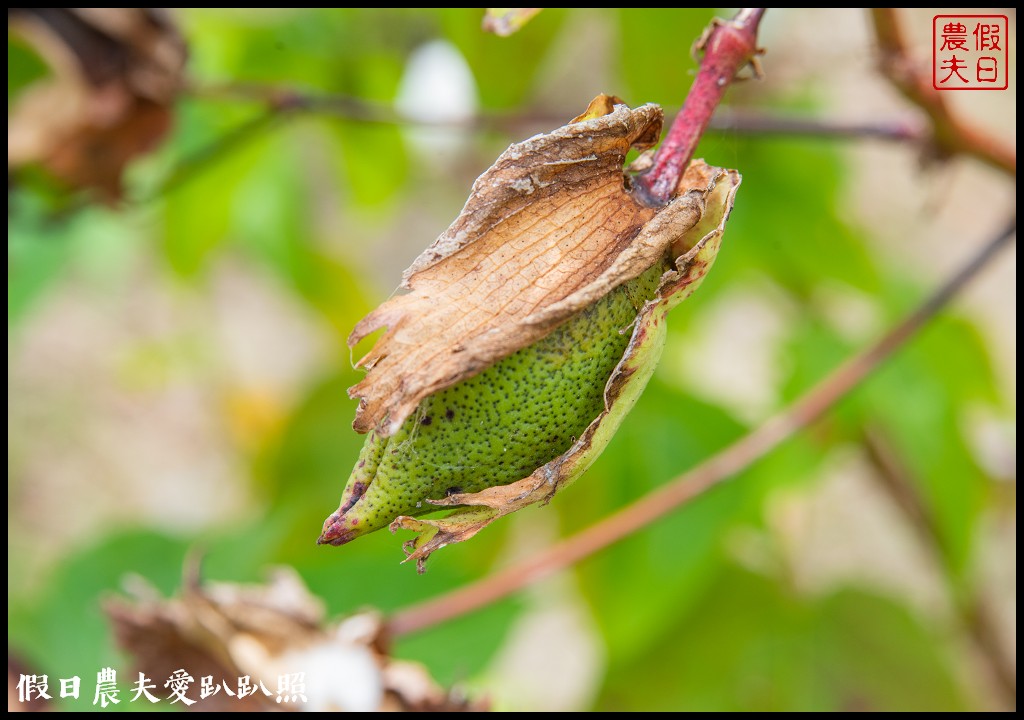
(279, 629)
(549, 229)
(116, 74)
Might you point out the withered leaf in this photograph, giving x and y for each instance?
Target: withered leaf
(550, 228)
(506, 21)
(228, 631)
(116, 72)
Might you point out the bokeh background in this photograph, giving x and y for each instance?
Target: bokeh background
(177, 368)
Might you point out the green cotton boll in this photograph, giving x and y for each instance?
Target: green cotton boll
(527, 332)
(497, 427)
(532, 423)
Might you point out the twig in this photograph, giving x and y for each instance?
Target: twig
(973, 610)
(711, 472)
(348, 107)
(356, 109)
(728, 47)
(283, 104)
(986, 636)
(277, 98)
(208, 154)
(950, 135)
(772, 124)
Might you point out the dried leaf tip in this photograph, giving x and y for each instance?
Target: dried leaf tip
(116, 75)
(507, 21)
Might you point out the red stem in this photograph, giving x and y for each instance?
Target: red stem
(728, 46)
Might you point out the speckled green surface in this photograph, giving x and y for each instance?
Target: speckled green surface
(499, 426)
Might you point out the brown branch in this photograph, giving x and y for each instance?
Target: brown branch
(893, 477)
(278, 99)
(284, 104)
(207, 155)
(283, 99)
(973, 609)
(728, 47)
(950, 135)
(773, 124)
(711, 472)
(986, 634)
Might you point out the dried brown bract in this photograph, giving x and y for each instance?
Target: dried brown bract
(116, 73)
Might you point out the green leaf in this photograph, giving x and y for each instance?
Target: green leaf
(880, 656)
(62, 631)
(798, 249)
(24, 66)
(751, 644)
(646, 37)
(743, 646)
(505, 69)
(37, 253)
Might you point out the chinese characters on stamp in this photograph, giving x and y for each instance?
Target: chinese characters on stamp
(970, 52)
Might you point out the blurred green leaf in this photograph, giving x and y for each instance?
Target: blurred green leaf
(879, 656)
(679, 549)
(646, 38)
(751, 644)
(372, 161)
(37, 252)
(745, 645)
(917, 409)
(44, 246)
(505, 68)
(194, 227)
(62, 631)
(799, 244)
(24, 66)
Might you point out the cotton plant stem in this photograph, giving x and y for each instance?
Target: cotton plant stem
(281, 100)
(769, 124)
(713, 471)
(207, 156)
(973, 608)
(283, 106)
(728, 47)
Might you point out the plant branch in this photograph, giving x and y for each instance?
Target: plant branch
(973, 610)
(207, 155)
(278, 100)
(280, 104)
(769, 124)
(711, 472)
(283, 99)
(950, 135)
(728, 47)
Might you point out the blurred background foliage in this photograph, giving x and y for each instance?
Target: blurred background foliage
(177, 370)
